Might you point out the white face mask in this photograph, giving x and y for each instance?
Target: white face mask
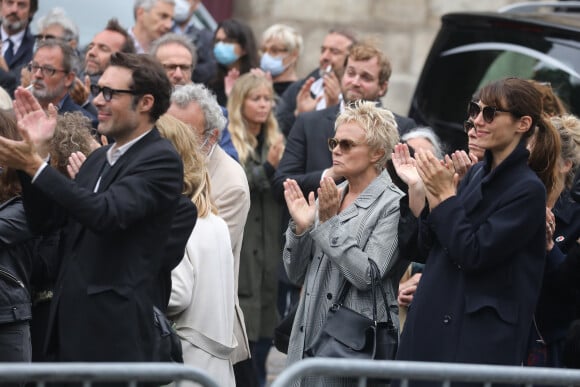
(181, 12)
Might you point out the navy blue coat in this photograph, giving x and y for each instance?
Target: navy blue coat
(475, 300)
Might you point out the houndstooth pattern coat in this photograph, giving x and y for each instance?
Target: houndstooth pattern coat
(323, 257)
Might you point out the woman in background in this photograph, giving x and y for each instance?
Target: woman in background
(236, 53)
(204, 279)
(260, 145)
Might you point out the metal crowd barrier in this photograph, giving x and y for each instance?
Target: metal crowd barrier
(445, 373)
(89, 373)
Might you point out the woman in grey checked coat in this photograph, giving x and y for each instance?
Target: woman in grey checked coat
(330, 241)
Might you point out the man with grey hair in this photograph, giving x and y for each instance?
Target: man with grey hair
(195, 105)
(177, 56)
(56, 25)
(153, 19)
(52, 76)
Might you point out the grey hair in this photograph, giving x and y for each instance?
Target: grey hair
(288, 35)
(148, 4)
(57, 16)
(172, 38)
(428, 134)
(183, 95)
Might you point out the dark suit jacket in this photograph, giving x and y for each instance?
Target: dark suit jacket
(69, 106)
(23, 56)
(113, 249)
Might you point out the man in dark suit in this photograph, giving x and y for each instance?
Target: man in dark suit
(52, 76)
(118, 214)
(17, 40)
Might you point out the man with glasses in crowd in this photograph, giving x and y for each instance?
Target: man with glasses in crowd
(52, 76)
(118, 215)
(17, 40)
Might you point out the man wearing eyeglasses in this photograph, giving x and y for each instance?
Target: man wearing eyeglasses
(118, 215)
(177, 55)
(17, 40)
(53, 76)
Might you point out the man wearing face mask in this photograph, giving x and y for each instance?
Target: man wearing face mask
(201, 38)
(281, 48)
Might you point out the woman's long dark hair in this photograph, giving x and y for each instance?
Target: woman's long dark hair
(241, 33)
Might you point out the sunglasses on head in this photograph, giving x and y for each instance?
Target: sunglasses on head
(489, 112)
(344, 145)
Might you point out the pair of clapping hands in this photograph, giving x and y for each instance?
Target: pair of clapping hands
(430, 178)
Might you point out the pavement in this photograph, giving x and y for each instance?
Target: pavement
(275, 364)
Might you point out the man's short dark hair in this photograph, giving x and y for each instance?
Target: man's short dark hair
(114, 26)
(148, 77)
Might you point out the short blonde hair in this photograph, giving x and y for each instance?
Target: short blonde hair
(568, 127)
(379, 125)
(195, 176)
(287, 35)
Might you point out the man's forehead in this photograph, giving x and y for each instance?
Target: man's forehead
(336, 40)
(116, 76)
(370, 66)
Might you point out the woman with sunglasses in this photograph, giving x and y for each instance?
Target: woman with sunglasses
(329, 241)
(484, 240)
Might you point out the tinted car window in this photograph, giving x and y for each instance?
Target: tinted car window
(473, 50)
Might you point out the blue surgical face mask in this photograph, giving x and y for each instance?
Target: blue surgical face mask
(181, 12)
(225, 53)
(272, 64)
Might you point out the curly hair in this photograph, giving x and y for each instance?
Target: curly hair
(195, 175)
(378, 124)
(568, 126)
(72, 134)
(244, 142)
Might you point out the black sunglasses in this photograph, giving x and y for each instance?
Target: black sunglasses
(108, 92)
(345, 145)
(489, 112)
(468, 125)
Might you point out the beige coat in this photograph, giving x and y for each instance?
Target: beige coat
(231, 195)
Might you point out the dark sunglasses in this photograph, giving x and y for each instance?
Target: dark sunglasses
(108, 92)
(468, 125)
(345, 145)
(489, 112)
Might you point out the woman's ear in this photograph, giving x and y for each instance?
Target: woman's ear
(525, 124)
(376, 155)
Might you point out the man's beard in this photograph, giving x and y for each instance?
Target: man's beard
(44, 95)
(13, 27)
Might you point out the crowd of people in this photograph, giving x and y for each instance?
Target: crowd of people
(192, 172)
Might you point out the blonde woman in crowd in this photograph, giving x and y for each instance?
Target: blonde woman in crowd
(260, 145)
(281, 48)
(204, 280)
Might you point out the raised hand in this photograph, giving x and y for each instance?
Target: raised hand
(302, 212)
(328, 199)
(406, 168)
(462, 162)
(75, 160)
(438, 176)
(230, 79)
(304, 101)
(276, 151)
(32, 119)
(331, 89)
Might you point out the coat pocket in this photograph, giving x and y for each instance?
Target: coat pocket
(121, 290)
(506, 310)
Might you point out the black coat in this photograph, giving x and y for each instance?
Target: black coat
(482, 277)
(114, 249)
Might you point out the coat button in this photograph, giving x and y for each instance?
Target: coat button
(301, 328)
(334, 240)
(329, 296)
(446, 319)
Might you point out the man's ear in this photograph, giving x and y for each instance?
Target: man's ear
(383, 88)
(69, 79)
(146, 103)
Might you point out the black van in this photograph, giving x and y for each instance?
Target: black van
(471, 49)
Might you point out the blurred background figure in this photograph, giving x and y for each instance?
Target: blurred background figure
(236, 53)
(260, 146)
(202, 39)
(17, 40)
(281, 48)
(153, 19)
(177, 56)
(424, 138)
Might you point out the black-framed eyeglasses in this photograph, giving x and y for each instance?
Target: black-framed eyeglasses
(344, 145)
(171, 67)
(489, 112)
(468, 125)
(108, 92)
(46, 71)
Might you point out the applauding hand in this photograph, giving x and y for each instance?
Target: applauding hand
(302, 212)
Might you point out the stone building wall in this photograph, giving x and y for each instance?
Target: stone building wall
(405, 29)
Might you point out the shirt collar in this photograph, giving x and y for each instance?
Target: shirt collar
(16, 39)
(115, 152)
